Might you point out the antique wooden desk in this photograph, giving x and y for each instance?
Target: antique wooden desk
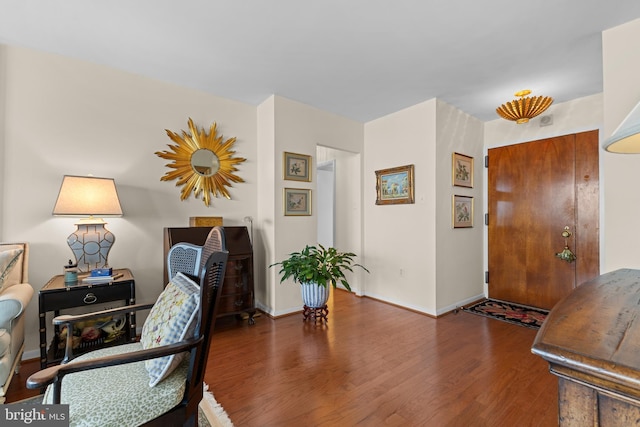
(238, 289)
(591, 340)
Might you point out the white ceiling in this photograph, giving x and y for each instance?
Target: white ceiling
(357, 58)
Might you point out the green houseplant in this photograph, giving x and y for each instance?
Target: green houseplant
(316, 267)
(317, 264)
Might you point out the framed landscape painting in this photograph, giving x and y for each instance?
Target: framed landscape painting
(462, 211)
(462, 170)
(297, 202)
(394, 185)
(296, 167)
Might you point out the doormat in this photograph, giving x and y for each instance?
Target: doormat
(517, 314)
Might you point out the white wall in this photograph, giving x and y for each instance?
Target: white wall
(621, 58)
(418, 260)
(300, 129)
(64, 116)
(264, 226)
(459, 273)
(400, 240)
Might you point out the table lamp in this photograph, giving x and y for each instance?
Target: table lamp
(89, 196)
(626, 138)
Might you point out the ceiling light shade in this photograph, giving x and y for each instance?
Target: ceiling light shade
(626, 138)
(524, 108)
(88, 196)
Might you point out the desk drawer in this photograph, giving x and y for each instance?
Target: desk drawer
(235, 285)
(237, 277)
(235, 303)
(86, 297)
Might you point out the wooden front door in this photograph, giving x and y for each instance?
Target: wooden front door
(535, 190)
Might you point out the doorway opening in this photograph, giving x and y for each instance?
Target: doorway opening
(338, 177)
(326, 176)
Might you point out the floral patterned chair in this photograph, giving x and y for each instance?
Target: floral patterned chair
(157, 381)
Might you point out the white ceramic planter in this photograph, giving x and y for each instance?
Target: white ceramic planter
(315, 296)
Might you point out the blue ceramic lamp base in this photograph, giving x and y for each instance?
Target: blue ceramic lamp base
(91, 243)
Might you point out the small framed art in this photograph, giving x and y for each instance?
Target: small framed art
(462, 170)
(462, 211)
(394, 185)
(296, 167)
(297, 202)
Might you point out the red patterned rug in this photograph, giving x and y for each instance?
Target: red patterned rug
(522, 315)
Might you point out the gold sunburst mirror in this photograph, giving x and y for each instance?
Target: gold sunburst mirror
(201, 162)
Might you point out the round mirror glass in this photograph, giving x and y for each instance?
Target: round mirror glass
(204, 162)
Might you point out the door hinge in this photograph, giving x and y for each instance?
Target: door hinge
(486, 161)
(486, 277)
(486, 219)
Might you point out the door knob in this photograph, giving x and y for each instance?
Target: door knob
(566, 254)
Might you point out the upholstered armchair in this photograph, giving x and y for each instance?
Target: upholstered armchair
(157, 381)
(15, 294)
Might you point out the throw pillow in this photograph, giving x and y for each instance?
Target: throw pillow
(8, 260)
(172, 319)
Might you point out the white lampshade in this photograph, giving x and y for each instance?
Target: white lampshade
(626, 138)
(89, 196)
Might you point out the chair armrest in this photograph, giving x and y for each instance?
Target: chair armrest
(56, 373)
(13, 301)
(70, 319)
(74, 318)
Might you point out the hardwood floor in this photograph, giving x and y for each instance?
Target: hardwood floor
(17, 390)
(377, 365)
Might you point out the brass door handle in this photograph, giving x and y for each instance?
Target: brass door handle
(566, 254)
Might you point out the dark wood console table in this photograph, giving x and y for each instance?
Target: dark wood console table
(56, 296)
(591, 340)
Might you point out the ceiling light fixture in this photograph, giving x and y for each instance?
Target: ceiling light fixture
(524, 108)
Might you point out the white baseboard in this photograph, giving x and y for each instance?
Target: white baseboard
(439, 312)
(31, 354)
(459, 304)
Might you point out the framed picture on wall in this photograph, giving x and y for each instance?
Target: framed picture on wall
(296, 167)
(297, 202)
(462, 170)
(462, 211)
(394, 185)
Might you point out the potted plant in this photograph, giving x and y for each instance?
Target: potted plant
(316, 267)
